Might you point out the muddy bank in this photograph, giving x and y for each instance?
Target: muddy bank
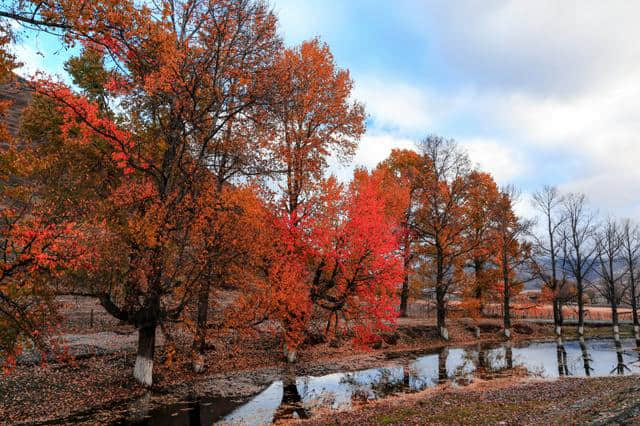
(566, 401)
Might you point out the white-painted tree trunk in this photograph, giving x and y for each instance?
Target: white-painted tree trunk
(507, 333)
(290, 354)
(616, 332)
(143, 370)
(444, 333)
(198, 362)
(581, 330)
(636, 332)
(558, 331)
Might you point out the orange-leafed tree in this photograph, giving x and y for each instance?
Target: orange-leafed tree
(179, 73)
(311, 118)
(442, 221)
(482, 199)
(401, 176)
(512, 251)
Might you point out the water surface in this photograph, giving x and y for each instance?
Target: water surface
(301, 397)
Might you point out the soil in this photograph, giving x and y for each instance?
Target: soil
(567, 401)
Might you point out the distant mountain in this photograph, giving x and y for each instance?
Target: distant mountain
(20, 95)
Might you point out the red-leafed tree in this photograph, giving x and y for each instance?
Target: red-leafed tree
(37, 244)
(340, 267)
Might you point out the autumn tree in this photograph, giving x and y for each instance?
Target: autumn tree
(179, 72)
(401, 177)
(547, 248)
(311, 118)
(339, 267)
(481, 208)
(441, 221)
(631, 254)
(233, 246)
(37, 244)
(512, 250)
(578, 247)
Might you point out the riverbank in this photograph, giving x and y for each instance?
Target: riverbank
(99, 379)
(565, 401)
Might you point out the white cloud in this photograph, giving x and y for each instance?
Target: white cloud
(544, 46)
(397, 105)
(372, 150)
(32, 60)
(496, 157)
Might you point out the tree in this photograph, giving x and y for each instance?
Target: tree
(547, 248)
(402, 170)
(512, 252)
(36, 244)
(441, 222)
(233, 245)
(179, 73)
(310, 118)
(339, 267)
(631, 253)
(482, 208)
(609, 242)
(578, 248)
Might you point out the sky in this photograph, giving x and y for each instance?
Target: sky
(538, 92)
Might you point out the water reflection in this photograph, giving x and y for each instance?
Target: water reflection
(620, 366)
(561, 353)
(299, 397)
(586, 358)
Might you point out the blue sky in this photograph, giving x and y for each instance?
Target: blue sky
(538, 92)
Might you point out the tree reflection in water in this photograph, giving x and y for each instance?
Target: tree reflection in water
(620, 366)
(586, 358)
(561, 352)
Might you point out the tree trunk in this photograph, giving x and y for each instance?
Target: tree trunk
(634, 305)
(580, 289)
(478, 268)
(199, 341)
(441, 293)
(143, 370)
(404, 295)
(506, 312)
(441, 313)
(614, 316)
(557, 322)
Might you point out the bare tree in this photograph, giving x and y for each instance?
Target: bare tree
(578, 248)
(547, 247)
(440, 220)
(631, 254)
(609, 243)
